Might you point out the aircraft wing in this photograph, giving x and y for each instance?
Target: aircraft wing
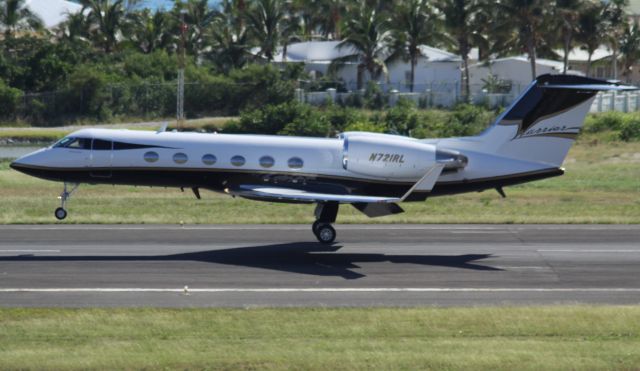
(297, 195)
(262, 192)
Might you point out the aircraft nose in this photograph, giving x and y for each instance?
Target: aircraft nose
(28, 160)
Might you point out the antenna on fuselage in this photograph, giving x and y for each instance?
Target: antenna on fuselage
(163, 128)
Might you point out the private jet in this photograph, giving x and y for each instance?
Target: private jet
(373, 172)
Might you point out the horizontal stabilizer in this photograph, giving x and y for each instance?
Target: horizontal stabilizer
(598, 87)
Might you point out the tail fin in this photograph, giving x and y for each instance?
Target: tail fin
(542, 124)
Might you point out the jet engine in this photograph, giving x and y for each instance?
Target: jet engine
(387, 156)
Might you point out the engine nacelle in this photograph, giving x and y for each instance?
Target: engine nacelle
(387, 156)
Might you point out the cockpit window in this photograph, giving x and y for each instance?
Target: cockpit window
(76, 143)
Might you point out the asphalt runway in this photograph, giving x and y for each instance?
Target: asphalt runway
(281, 265)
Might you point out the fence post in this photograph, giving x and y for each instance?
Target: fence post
(626, 102)
(393, 97)
(600, 95)
(332, 94)
(299, 94)
(612, 102)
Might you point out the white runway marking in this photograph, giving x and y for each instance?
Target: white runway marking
(311, 290)
(14, 251)
(459, 227)
(589, 250)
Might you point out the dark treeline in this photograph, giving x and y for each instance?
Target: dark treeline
(113, 60)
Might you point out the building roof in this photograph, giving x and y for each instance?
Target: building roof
(634, 7)
(327, 51)
(581, 55)
(438, 55)
(314, 51)
(521, 59)
(52, 12)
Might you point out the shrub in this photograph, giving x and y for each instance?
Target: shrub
(9, 100)
(630, 130)
(402, 119)
(600, 122)
(374, 97)
(291, 118)
(366, 126)
(340, 118)
(257, 86)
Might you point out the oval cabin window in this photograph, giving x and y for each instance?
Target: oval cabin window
(151, 156)
(180, 158)
(209, 159)
(237, 161)
(295, 163)
(267, 161)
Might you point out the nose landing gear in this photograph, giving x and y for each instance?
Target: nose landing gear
(326, 214)
(60, 213)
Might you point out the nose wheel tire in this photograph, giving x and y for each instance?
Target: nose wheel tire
(60, 213)
(324, 232)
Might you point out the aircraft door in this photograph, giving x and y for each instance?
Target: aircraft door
(101, 158)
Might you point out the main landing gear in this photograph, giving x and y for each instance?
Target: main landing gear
(60, 212)
(326, 213)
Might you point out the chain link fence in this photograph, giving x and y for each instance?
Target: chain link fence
(116, 102)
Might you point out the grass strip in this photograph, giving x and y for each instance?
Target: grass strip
(561, 337)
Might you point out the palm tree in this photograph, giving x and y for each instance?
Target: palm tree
(568, 14)
(459, 21)
(74, 29)
(16, 16)
(527, 20)
(198, 16)
(230, 38)
(591, 29)
(149, 31)
(264, 20)
(329, 17)
(630, 49)
(616, 21)
(414, 24)
(366, 31)
(106, 19)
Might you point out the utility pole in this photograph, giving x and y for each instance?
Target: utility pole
(181, 65)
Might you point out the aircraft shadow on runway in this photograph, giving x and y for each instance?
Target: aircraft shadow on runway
(304, 258)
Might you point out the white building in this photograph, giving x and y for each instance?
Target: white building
(436, 69)
(52, 12)
(515, 71)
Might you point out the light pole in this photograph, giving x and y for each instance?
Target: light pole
(181, 64)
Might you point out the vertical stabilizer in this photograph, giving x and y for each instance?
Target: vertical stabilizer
(542, 124)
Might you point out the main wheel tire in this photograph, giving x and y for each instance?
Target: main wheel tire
(60, 213)
(325, 233)
(314, 227)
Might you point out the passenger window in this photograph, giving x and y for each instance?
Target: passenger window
(237, 160)
(267, 161)
(295, 163)
(101, 145)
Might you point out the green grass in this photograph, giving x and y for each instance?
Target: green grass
(569, 337)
